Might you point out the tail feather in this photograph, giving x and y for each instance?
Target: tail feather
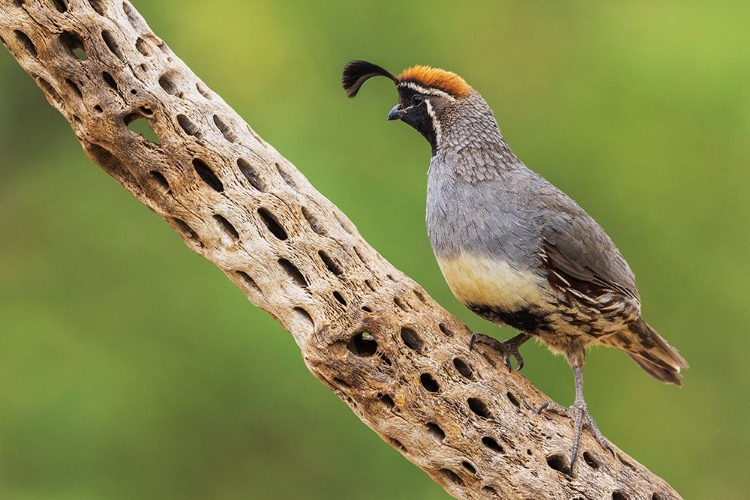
(652, 353)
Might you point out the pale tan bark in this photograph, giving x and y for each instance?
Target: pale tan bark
(366, 330)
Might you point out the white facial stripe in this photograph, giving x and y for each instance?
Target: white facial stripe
(426, 91)
(435, 123)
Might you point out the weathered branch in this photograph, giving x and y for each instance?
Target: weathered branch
(371, 334)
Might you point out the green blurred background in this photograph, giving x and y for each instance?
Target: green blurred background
(131, 368)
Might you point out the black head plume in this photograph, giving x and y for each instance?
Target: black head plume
(358, 72)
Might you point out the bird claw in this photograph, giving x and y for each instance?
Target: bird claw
(508, 348)
(582, 418)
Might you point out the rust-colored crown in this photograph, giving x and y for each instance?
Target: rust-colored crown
(436, 78)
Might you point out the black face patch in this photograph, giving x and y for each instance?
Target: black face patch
(415, 113)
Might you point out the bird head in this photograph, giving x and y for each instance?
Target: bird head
(425, 94)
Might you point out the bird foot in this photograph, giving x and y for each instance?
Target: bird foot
(582, 417)
(508, 348)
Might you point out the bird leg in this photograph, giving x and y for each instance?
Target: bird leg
(508, 348)
(582, 417)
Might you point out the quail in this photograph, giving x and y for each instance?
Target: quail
(512, 247)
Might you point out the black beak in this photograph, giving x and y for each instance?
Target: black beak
(396, 113)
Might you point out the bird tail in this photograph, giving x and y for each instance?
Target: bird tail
(652, 353)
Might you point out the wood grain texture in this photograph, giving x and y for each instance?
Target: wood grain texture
(366, 330)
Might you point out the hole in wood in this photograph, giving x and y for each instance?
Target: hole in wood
(489, 491)
(227, 227)
(187, 231)
(141, 126)
(330, 264)
(590, 460)
(492, 444)
(513, 399)
(658, 496)
(367, 309)
(225, 130)
(397, 444)
(386, 400)
(429, 382)
(248, 281)
(73, 45)
(111, 44)
(188, 126)
(362, 344)
(142, 47)
(462, 368)
(134, 18)
(272, 224)
(479, 407)
(315, 224)
(203, 91)
(369, 285)
(60, 5)
(400, 304)
(343, 384)
(28, 45)
(420, 296)
(208, 175)
(159, 179)
(111, 164)
(412, 340)
(294, 273)
(451, 476)
(74, 87)
(446, 331)
(167, 83)
(49, 90)
(302, 316)
(98, 109)
(469, 468)
(251, 175)
(109, 80)
(98, 6)
(435, 431)
(286, 176)
(619, 495)
(557, 462)
(340, 298)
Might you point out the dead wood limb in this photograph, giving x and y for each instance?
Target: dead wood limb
(371, 334)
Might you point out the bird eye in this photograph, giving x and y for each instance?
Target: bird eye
(417, 99)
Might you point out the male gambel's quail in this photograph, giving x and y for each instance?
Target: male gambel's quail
(513, 248)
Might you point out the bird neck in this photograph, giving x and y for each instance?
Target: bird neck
(470, 136)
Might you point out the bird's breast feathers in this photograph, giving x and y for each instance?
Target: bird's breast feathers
(494, 282)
